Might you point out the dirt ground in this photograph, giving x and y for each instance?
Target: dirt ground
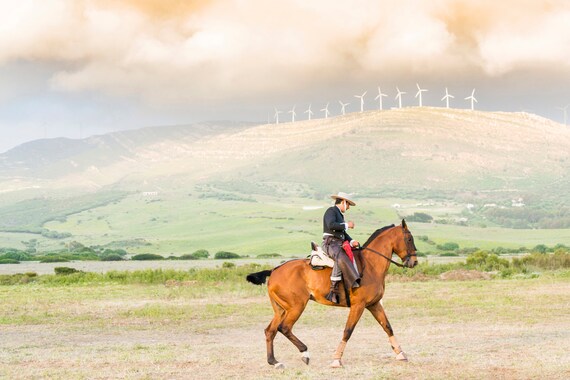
(506, 329)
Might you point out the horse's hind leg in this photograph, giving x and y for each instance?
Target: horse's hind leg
(271, 331)
(286, 328)
(378, 312)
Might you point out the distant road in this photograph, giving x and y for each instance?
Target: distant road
(106, 266)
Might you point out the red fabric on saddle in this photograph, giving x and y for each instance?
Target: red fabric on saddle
(348, 249)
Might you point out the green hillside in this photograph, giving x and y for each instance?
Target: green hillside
(485, 179)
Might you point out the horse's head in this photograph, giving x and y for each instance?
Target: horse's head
(405, 247)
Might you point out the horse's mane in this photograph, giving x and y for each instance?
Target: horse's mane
(376, 233)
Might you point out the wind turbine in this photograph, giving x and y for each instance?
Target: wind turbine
(293, 114)
(446, 98)
(419, 93)
(309, 111)
(326, 110)
(473, 100)
(565, 109)
(361, 100)
(343, 107)
(379, 98)
(399, 97)
(276, 116)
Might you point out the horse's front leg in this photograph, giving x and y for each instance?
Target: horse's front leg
(378, 312)
(356, 311)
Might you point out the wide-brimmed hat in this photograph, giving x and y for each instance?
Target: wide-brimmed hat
(345, 196)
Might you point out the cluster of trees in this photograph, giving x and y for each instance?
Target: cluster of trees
(197, 255)
(453, 248)
(75, 251)
(71, 252)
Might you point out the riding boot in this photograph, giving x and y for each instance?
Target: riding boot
(334, 295)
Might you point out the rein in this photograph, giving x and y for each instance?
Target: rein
(386, 257)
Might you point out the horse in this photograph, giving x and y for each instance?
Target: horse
(292, 284)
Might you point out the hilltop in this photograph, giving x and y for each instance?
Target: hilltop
(407, 150)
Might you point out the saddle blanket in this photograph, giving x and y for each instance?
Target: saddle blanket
(320, 259)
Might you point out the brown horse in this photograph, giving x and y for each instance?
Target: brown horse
(292, 284)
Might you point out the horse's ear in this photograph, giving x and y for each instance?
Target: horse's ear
(404, 225)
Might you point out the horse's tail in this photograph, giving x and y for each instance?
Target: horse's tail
(258, 278)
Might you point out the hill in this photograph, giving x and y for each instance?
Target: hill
(420, 148)
(460, 166)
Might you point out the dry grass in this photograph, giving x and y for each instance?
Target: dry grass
(508, 329)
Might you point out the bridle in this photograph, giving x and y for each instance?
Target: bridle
(410, 250)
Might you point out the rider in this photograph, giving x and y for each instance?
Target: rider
(334, 235)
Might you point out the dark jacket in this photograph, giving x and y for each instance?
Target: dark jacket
(333, 223)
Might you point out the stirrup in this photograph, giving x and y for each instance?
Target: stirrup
(356, 283)
(333, 297)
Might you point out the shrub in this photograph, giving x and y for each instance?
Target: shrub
(187, 257)
(63, 271)
(9, 261)
(226, 255)
(560, 259)
(420, 217)
(112, 257)
(15, 254)
(201, 254)
(467, 251)
(16, 279)
(500, 250)
(117, 252)
(55, 235)
(268, 255)
(483, 260)
(449, 246)
(228, 265)
(147, 256)
(53, 259)
(540, 248)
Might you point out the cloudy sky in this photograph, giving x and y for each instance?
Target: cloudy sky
(76, 68)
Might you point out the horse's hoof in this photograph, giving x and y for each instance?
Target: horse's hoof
(279, 366)
(402, 357)
(336, 364)
(306, 357)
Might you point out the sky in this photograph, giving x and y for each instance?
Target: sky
(76, 68)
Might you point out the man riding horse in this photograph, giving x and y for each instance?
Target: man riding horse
(337, 244)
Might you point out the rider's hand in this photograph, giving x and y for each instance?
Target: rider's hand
(355, 243)
(350, 224)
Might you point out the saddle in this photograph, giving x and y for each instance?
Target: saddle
(318, 259)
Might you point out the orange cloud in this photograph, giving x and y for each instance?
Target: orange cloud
(174, 51)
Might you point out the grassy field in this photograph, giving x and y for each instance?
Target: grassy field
(212, 328)
(175, 223)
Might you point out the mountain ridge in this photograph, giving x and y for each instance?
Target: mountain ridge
(435, 146)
